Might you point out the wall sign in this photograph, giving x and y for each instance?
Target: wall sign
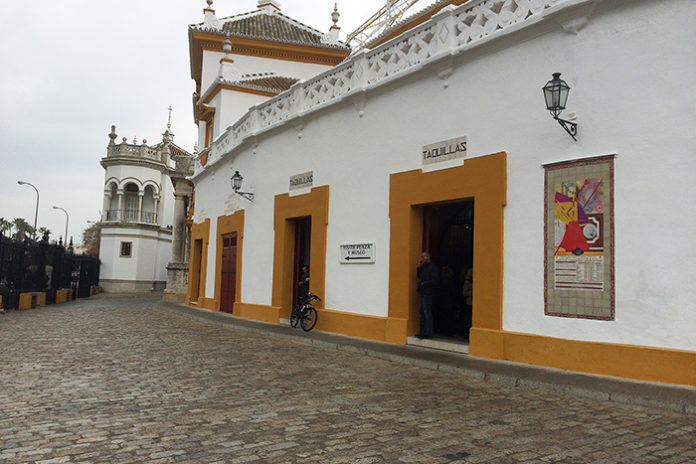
(303, 180)
(357, 253)
(579, 239)
(443, 151)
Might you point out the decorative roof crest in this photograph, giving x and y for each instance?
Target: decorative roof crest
(332, 37)
(209, 19)
(269, 6)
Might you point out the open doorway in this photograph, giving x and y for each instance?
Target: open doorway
(303, 236)
(448, 235)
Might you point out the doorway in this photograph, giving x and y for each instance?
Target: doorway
(228, 288)
(195, 267)
(448, 235)
(303, 239)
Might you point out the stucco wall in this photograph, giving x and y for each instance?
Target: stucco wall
(628, 69)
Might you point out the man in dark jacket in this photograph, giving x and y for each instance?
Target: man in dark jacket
(428, 280)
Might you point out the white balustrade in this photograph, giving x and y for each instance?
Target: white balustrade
(451, 30)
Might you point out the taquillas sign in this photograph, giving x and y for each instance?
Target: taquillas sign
(443, 151)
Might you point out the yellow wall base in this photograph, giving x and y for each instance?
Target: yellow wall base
(30, 300)
(63, 295)
(207, 303)
(256, 312)
(630, 361)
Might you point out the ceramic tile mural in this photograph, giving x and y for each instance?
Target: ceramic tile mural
(579, 267)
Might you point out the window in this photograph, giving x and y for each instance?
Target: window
(126, 249)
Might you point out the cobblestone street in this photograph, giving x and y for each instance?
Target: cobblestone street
(121, 380)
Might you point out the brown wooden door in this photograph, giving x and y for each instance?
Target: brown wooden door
(228, 290)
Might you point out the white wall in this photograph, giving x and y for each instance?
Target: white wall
(629, 70)
(150, 253)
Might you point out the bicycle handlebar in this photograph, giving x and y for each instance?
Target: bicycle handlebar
(312, 296)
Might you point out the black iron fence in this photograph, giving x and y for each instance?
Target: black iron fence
(39, 266)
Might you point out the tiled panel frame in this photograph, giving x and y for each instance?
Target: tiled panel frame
(583, 304)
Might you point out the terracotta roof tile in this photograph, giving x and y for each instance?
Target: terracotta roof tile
(275, 84)
(275, 27)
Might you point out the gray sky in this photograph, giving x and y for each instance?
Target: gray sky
(72, 68)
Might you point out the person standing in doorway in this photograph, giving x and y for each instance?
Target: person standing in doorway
(428, 280)
(303, 284)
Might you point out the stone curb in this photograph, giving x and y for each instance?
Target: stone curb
(666, 397)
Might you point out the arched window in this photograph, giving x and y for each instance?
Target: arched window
(149, 215)
(111, 203)
(131, 203)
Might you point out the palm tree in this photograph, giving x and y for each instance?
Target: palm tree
(22, 228)
(5, 226)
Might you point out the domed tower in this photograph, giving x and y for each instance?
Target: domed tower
(138, 213)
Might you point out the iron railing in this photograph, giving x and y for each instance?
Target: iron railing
(38, 266)
(131, 216)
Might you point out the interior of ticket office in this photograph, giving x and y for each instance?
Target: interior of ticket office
(448, 235)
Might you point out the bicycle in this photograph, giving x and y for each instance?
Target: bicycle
(304, 313)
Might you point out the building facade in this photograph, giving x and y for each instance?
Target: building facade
(439, 140)
(138, 213)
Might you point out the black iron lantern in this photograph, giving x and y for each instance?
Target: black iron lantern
(237, 185)
(556, 95)
(236, 181)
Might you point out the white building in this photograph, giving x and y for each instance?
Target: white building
(439, 139)
(138, 213)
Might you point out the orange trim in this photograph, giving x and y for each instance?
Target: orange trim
(261, 5)
(631, 361)
(204, 112)
(316, 205)
(482, 179)
(204, 158)
(198, 265)
(227, 225)
(200, 41)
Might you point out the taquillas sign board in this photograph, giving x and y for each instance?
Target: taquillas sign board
(443, 151)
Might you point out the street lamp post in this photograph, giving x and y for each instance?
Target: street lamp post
(36, 214)
(67, 218)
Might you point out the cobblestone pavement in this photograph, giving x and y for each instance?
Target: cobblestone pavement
(126, 380)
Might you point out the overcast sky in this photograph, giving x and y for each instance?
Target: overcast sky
(72, 68)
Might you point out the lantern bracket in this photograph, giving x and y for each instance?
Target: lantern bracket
(236, 180)
(570, 127)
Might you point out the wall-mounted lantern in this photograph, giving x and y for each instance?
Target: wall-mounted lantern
(556, 95)
(237, 185)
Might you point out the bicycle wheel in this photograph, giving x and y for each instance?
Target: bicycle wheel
(295, 316)
(309, 320)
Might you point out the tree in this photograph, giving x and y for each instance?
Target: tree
(5, 226)
(22, 228)
(44, 231)
(91, 238)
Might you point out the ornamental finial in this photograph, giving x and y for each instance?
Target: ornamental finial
(334, 17)
(169, 120)
(227, 45)
(113, 134)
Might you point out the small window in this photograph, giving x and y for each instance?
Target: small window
(126, 249)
